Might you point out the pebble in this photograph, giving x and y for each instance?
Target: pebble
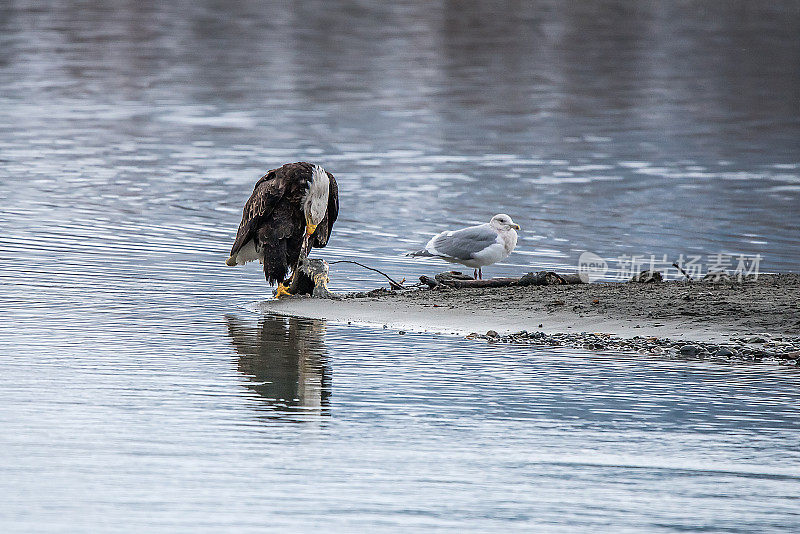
(690, 350)
(647, 276)
(788, 351)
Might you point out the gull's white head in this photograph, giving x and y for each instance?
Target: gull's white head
(503, 222)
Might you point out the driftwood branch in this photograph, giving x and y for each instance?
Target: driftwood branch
(682, 271)
(457, 280)
(392, 283)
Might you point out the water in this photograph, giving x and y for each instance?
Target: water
(138, 391)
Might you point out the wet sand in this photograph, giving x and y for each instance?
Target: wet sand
(690, 311)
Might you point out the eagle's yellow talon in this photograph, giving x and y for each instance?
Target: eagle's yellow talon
(282, 291)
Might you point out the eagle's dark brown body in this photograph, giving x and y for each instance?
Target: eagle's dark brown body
(275, 224)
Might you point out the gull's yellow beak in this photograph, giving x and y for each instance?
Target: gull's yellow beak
(310, 228)
(515, 226)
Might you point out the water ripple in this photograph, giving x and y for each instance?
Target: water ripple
(139, 389)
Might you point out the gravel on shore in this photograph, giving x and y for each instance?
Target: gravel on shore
(761, 316)
(756, 347)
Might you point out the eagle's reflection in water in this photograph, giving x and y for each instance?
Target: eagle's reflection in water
(286, 360)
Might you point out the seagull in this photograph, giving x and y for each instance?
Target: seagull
(474, 246)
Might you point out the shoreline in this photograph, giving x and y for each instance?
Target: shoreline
(756, 318)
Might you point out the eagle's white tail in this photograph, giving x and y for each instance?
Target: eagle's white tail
(247, 253)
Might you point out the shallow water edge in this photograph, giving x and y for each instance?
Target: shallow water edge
(754, 319)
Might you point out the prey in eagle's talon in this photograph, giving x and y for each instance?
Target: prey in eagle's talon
(317, 270)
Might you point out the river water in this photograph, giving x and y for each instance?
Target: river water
(139, 393)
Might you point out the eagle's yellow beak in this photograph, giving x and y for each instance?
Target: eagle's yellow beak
(310, 228)
(515, 226)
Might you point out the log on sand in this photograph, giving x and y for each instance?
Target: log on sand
(458, 280)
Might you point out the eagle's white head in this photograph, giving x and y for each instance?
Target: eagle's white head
(315, 203)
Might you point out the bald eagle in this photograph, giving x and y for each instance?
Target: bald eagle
(291, 210)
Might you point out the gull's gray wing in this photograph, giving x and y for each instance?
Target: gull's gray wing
(463, 244)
